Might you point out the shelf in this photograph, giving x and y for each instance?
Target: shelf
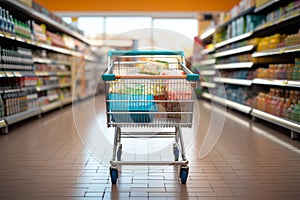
(234, 51)
(46, 87)
(286, 83)
(235, 65)
(51, 106)
(37, 73)
(2, 123)
(208, 34)
(233, 81)
(276, 120)
(207, 62)
(67, 101)
(245, 12)
(277, 51)
(231, 104)
(49, 61)
(65, 85)
(48, 21)
(208, 85)
(206, 95)
(234, 39)
(41, 45)
(21, 116)
(291, 16)
(207, 51)
(208, 72)
(63, 73)
(90, 58)
(16, 74)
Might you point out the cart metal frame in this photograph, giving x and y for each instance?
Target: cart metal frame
(115, 78)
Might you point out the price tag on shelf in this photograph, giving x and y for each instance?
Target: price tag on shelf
(285, 82)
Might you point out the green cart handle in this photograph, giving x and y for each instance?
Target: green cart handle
(144, 53)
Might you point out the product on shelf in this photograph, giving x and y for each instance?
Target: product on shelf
(283, 11)
(280, 71)
(279, 102)
(234, 59)
(270, 42)
(47, 97)
(16, 60)
(236, 10)
(239, 74)
(39, 32)
(47, 81)
(237, 94)
(55, 39)
(239, 26)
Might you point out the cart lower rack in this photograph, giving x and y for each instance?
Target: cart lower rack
(149, 89)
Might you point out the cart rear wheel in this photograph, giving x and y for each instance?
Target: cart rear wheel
(113, 175)
(184, 171)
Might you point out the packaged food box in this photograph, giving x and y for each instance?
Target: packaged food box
(132, 103)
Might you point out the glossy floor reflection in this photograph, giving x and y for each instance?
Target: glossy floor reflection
(57, 158)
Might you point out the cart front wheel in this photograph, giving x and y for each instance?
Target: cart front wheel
(184, 171)
(113, 175)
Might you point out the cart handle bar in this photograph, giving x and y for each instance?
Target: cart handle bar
(112, 77)
(145, 52)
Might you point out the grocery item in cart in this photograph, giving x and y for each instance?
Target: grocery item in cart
(153, 67)
(128, 106)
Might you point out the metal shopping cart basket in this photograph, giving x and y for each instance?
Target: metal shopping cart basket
(149, 89)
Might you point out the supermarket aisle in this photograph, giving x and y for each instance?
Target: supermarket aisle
(45, 159)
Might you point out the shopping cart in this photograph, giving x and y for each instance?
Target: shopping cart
(149, 89)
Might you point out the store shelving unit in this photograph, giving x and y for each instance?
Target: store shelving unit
(283, 24)
(63, 91)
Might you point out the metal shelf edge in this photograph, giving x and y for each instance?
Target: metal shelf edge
(234, 51)
(43, 88)
(21, 116)
(208, 62)
(234, 39)
(233, 81)
(208, 85)
(276, 120)
(234, 65)
(51, 106)
(232, 104)
(67, 101)
(208, 72)
(208, 33)
(206, 95)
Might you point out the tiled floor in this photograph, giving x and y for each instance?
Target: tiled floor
(50, 158)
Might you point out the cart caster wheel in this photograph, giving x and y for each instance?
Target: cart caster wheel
(113, 175)
(184, 171)
(175, 152)
(119, 153)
